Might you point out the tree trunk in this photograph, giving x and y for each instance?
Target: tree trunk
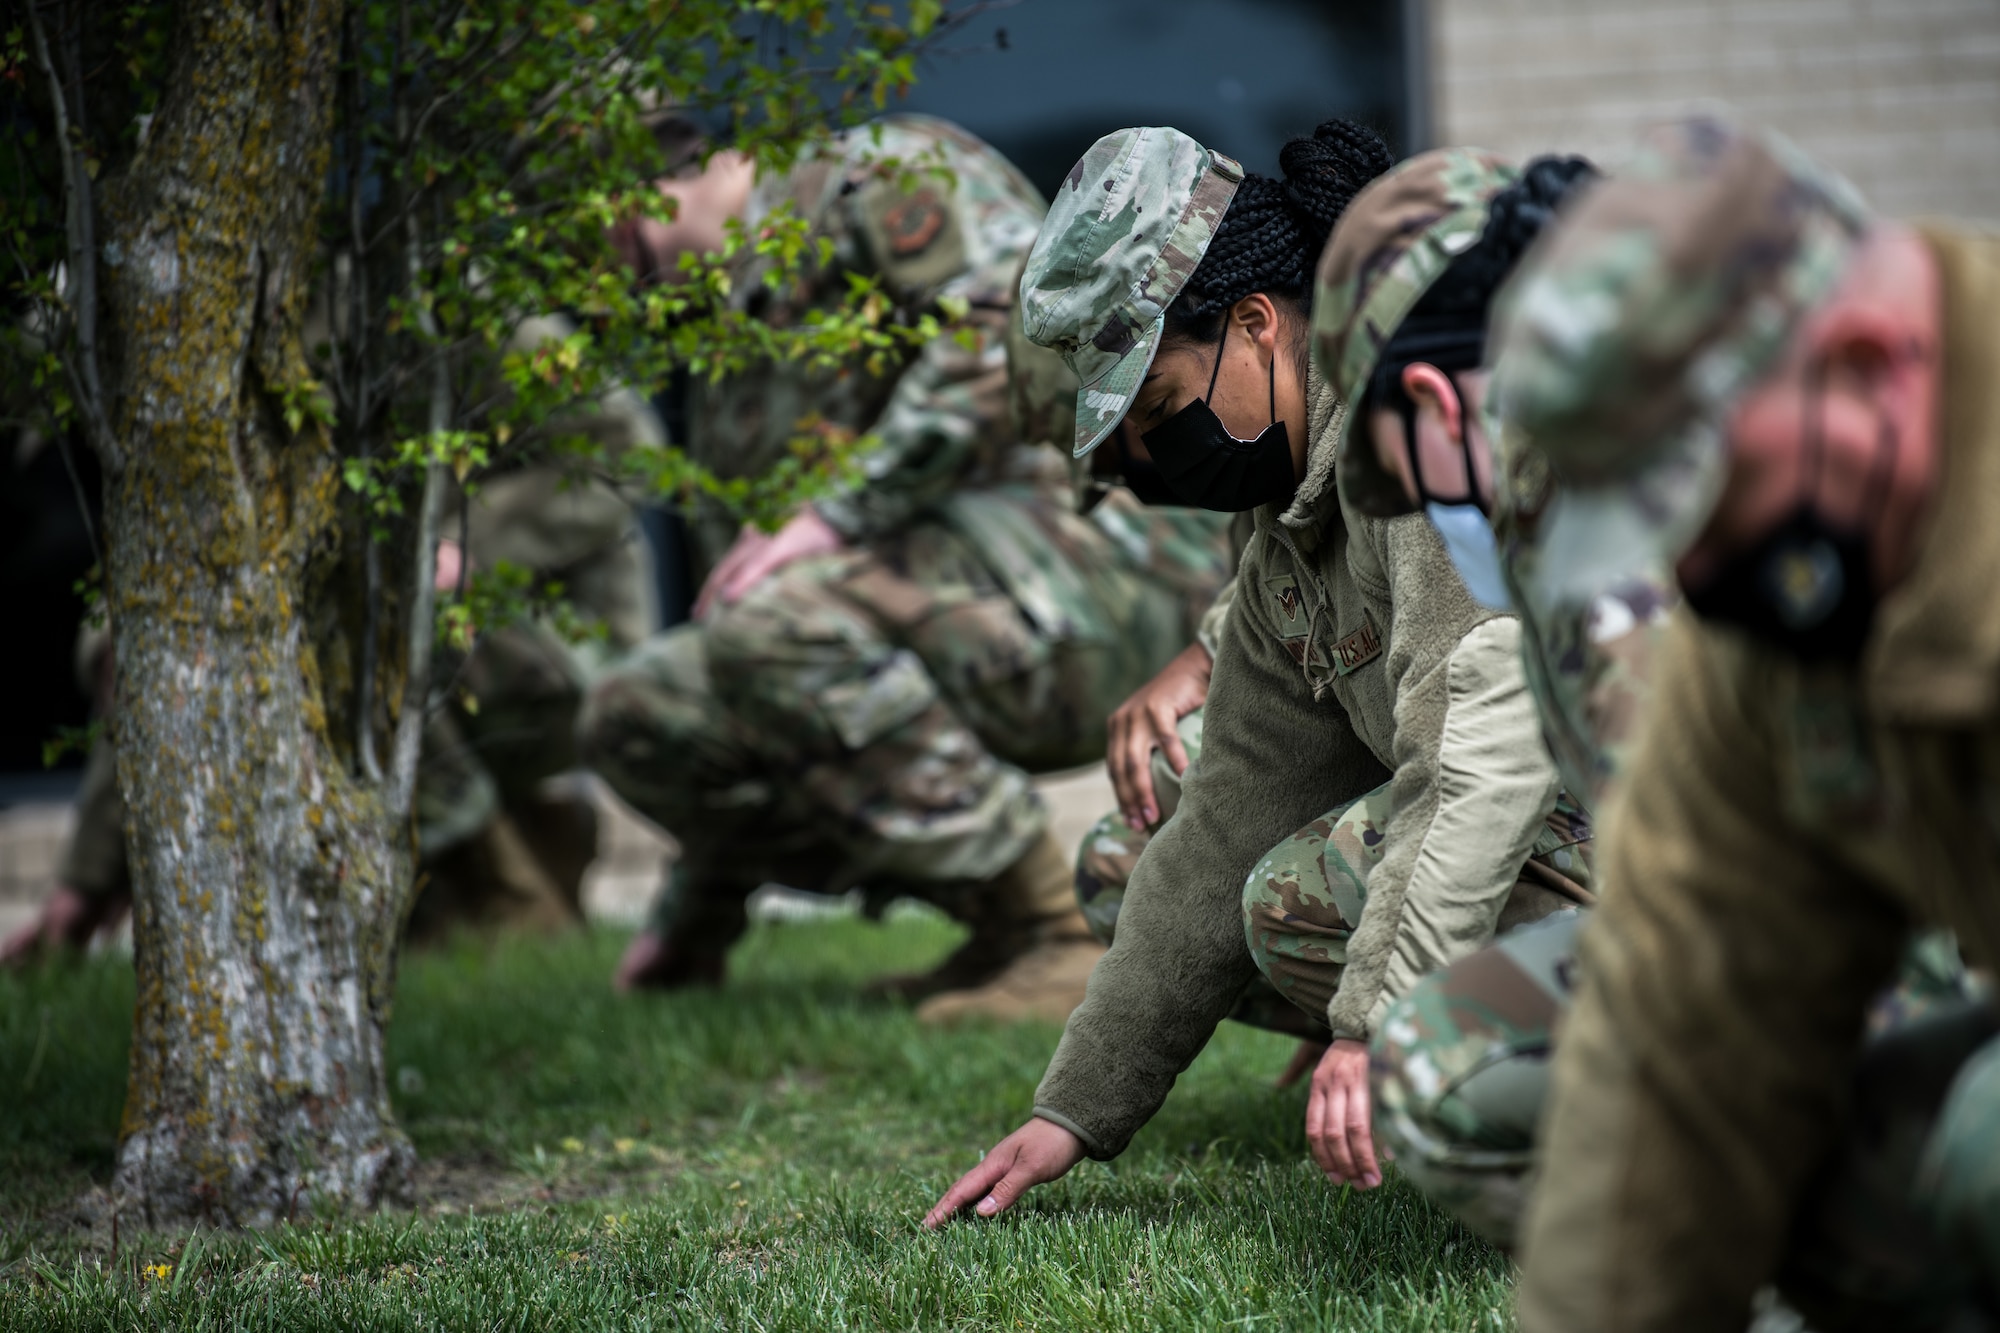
(269, 882)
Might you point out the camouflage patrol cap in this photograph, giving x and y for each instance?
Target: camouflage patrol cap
(1128, 226)
(1625, 338)
(1395, 240)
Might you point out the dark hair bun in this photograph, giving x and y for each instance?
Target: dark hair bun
(1272, 234)
(1326, 169)
(1514, 218)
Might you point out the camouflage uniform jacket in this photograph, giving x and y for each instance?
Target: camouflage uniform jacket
(1351, 654)
(1590, 667)
(567, 527)
(1783, 825)
(953, 220)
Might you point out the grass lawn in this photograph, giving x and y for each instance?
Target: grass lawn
(754, 1159)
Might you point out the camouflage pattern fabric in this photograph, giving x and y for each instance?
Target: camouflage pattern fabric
(1588, 663)
(1460, 1072)
(1303, 900)
(865, 719)
(1958, 1176)
(934, 216)
(1621, 343)
(1110, 850)
(1100, 279)
(1106, 856)
(1592, 615)
(1397, 238)
(511, 728)
(1914, 1166)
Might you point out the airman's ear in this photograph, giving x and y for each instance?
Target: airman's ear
(1427, 385)
(1258, 315)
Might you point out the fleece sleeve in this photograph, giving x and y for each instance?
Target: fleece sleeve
(1272, 760)
(1209, 632)
(1472, 785)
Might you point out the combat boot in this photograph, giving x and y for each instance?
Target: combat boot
(689, 930)
(1050, 950)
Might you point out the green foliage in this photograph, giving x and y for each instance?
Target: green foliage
(481, 155)
(755, 1158)
(70, 740)
(506, 595)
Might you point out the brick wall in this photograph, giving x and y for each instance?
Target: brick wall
(1901, 95)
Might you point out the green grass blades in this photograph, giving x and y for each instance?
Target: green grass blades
(750, 1159)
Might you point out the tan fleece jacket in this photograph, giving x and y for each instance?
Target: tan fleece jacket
(1351, 654)
(1778, 832)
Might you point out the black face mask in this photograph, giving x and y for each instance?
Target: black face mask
(1807, 587)
(1209, 468)
(1142, 477)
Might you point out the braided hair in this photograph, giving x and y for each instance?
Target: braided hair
(1447, 326)
(1273, 231)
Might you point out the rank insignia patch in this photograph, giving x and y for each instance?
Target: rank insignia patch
(1288, 606)
(912, 223)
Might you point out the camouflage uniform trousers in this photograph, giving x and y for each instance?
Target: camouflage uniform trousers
(868, 719)
(1460, 1072)
(1302, 902)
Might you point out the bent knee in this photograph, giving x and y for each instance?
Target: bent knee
(648, 707)
(1461, 1062)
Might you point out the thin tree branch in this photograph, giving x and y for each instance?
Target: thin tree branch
(423, 611)
(79, 222)
(82, 501)
(354, 356)
(430, 518)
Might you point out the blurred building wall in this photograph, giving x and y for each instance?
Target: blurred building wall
(1903, 96)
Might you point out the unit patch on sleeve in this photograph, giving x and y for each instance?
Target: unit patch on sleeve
(914, 235)
(913, 222)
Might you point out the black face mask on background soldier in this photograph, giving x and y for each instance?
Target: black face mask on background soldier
(1806, 587)
(1209, 468)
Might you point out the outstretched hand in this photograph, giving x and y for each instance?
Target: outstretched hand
(1034, 1154)
(1338, 1130)
(1146, 722)
(755, 556)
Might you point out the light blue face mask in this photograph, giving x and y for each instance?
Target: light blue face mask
(1468, 540)
(1461, 524)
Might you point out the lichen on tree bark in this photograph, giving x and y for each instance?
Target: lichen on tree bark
(270, 881)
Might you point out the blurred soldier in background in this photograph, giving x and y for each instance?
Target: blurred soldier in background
(1460, 1064)
(1739, 374)
(500, 844)
(497, 846)
(865, 690)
